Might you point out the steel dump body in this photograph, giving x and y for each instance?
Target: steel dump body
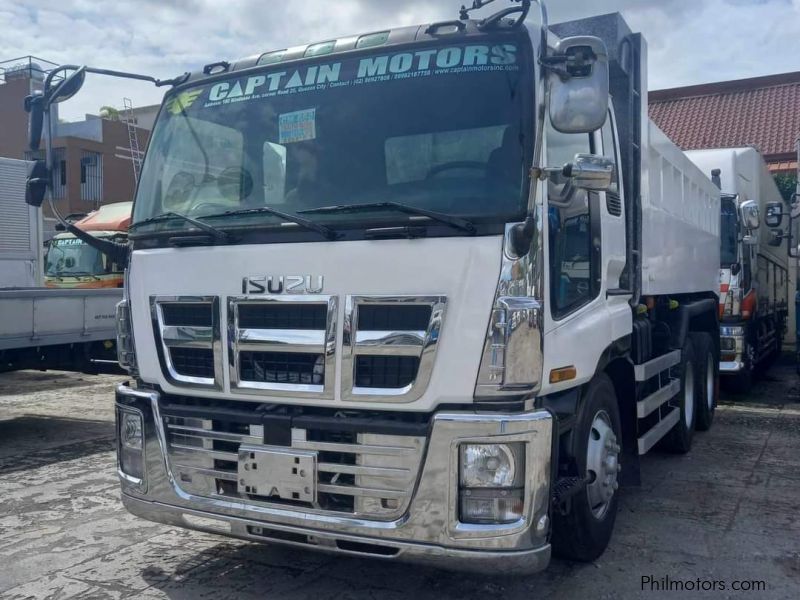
(680, 222)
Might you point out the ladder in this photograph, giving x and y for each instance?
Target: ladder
(133, 138)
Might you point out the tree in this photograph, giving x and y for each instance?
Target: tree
(109, 112)
(787, 184)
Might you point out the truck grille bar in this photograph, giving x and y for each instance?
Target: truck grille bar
(189, 334)
(283, 345)
(371, 475)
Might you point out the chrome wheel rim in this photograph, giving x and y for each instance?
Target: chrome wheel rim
(602, 464)
(688, 394)
(710, 383)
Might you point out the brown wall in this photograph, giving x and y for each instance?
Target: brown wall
(118, 179)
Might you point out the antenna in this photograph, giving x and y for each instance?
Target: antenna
(133, 138)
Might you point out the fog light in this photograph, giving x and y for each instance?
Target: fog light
(131, 443)
(490, 465)
(491, 506)
(491, 482)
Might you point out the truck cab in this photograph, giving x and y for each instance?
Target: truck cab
(756, 233)
(72, 263)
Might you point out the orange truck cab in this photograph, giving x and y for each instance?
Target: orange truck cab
(71, 263)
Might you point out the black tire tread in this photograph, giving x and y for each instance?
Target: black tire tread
(578, 535)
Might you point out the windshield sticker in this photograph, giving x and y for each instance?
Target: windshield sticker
(68, 242)
(298, 126)
(369, 70)
(183, 101)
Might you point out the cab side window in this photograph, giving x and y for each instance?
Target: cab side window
(571, 231)
(613, 198)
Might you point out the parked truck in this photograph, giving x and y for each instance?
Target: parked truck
(422, 294)
(754, 267)
(44, 328)
(72, 263)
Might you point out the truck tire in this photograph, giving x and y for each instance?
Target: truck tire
(707, 371)
(679, 439)
(585, 531)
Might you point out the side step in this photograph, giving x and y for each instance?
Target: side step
(653, 367)
(566, 487)
(659, 430)
(647, 405)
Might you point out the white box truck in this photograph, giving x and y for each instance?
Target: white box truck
(45, 328)
(754, 267)
(421, 294)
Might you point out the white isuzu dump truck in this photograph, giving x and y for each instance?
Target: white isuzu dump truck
(754, 267)
(420, 294)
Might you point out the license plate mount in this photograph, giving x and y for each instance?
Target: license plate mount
(278, 473)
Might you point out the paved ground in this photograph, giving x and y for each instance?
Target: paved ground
(729, 511)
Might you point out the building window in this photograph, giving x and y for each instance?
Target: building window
(91, 177)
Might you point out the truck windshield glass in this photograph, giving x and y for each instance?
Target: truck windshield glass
(729, 233)
(71, 258)
(443, 129)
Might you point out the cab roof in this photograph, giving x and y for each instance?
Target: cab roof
(110, 217)
(454, 31)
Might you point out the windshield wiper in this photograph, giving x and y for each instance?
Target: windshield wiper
(217, 233)
(61, 274)
(455, 222)
(296, 219)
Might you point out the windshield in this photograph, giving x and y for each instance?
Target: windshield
(729, 233)
(439, 128)
(70, 257)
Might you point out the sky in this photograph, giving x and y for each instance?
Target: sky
(690, 41)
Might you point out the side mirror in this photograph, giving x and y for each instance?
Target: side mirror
(36, 183)
(751, 219)
(776, 238)
(590, 172)
(34, 106)
(68, 87)
(774, 216)
(579, 88)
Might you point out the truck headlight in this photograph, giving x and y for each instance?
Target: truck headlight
(511, 362)
(126, 350)
(130, 436)
(491, 483)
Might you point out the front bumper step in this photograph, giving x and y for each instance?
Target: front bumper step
(519, 562)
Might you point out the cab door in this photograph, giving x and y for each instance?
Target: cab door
(585, 256)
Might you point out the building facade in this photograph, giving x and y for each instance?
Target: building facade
(92, 158)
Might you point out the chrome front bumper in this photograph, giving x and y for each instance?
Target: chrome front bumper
(732, 344)
(428, 532)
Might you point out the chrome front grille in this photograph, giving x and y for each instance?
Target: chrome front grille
(284, 345)
(365, 474)
(389, 346)
(189, 334)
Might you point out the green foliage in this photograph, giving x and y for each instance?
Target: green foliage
(109, 112)
(787, 184)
